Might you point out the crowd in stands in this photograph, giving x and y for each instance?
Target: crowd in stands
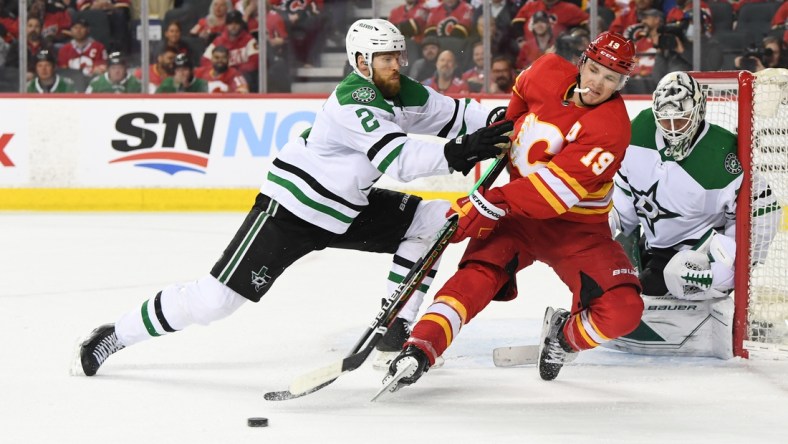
(212, 45)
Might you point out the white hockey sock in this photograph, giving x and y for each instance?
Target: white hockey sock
(176, 307)
(428, 220)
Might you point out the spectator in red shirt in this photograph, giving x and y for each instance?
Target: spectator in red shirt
(220, 76)
(163, 68)
(410, 18)
(244, 53)
(780, 20)
(450, 18)
(645, 36)
(214, 23)
(83, 53)
(445, 80)
(540, 39)
(631, 17)
(55, 21)
(475, 76)
(683, 12)
(563, 15)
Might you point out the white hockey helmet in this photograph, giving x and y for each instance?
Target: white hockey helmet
(679, 106)
(370, 36)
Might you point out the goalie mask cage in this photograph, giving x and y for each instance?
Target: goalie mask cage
(755, 107)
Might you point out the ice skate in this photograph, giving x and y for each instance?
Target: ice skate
(406, 369)
(101, 343)
(391, 344)
(554, 352)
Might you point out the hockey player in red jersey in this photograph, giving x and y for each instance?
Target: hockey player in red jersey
(571, 132)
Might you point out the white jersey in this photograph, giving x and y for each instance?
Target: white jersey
(678, 202)
(325, 175)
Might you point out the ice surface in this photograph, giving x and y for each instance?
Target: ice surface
(64, 274)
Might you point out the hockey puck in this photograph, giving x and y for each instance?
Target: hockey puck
(257, 422)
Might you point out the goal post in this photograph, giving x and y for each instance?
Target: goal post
(755, 108)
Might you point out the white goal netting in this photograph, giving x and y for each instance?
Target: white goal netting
(762, 304)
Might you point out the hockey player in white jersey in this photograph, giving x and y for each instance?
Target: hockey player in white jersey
(678, 183)
(319, 193)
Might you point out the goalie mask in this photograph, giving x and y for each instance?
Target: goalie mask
(679, 107)
(370, 36)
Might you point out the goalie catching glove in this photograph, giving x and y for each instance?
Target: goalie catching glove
(478, 214)
(705, 273)
(463, 152)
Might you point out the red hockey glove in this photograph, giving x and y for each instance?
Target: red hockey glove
(479, 214)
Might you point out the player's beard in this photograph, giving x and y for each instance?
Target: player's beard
(389, 86)
(220, 67)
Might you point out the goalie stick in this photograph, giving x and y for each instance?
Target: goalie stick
(321, 377)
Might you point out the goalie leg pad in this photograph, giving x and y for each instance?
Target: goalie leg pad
(675, 327)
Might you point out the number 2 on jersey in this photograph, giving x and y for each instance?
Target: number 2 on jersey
(367, 120)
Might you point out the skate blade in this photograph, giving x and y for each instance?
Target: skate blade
(392, 385)
(75, 368)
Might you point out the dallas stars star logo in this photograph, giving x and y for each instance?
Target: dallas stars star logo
(647, 206)
(260, 279)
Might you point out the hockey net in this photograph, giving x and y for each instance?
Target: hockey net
(755, 107)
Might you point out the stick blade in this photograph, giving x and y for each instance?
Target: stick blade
(316, 379)
(516, 355)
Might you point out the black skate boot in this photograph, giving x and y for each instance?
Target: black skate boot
(395, 336)
(97, 348)
(404, 370)
(554, 351)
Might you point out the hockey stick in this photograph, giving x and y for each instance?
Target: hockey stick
(319, 378)
(515, 355)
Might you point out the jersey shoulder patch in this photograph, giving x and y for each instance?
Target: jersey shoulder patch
(355, 90)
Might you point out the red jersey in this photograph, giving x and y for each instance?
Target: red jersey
(244, 54)
(12, 28)
(624, 21)
(677, 14)
(457, 86)
(563, 156)
(530, 51)
(563, 15)
(154, 77)
(55, 23)
(445, 22)
(781, 19)
(275, 25)
(647, 56)
(416, 15)
(227, 82)
(202, 25)
(85, 58)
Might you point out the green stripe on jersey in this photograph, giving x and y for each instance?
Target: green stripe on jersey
(397, 279)
(304, 199)
(229, 269)
(390, 158)
(146, 320)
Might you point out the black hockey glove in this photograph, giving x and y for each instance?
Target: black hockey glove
(486, 143)
(496, 115)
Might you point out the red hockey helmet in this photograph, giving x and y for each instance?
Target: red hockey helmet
(613, 51)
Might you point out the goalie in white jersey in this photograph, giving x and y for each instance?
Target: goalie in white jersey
(319, 193)
(678, 183)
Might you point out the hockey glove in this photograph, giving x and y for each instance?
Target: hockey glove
(496, 115)
(463, 152)
(479, 214)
